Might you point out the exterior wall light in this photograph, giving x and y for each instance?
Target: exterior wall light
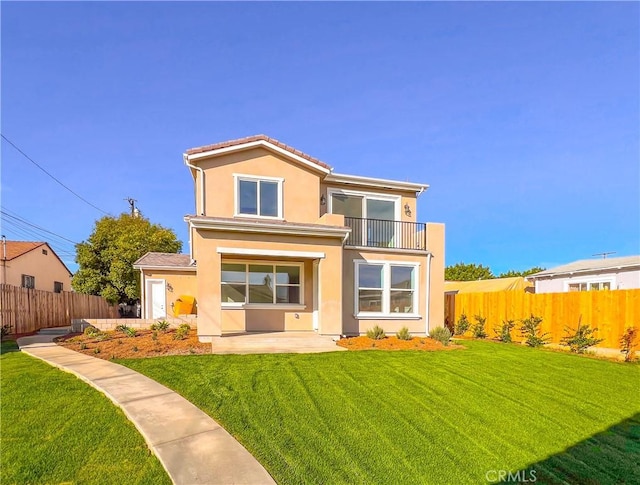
(407, 210)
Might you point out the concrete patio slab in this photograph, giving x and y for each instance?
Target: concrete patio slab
(274, 342)
(191, 446)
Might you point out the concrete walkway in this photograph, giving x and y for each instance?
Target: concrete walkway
(191, 446)
(274, 342)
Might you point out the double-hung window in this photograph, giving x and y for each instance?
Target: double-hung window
(261, 283)
(258, 196)
(386, 288)
(28, 281)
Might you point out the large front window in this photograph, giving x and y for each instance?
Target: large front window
(386, 288)
(260, 197)
(261, 283)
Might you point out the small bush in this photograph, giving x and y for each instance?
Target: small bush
(135, 348)
(5, 330)
(462, 325)
(531, 331)
(478, 328)
(629, 343)
(182, 331)
(503, 331)
(162, 326)
(128, 331)
(96, 350)
(91, 331)
(441, 334)
(581, 339)
(83, 346)
(154, 335)
(376, 333)
(403, 334)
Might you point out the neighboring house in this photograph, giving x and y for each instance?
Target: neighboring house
(589, 275)
(33, 265)
(281, 242)
(515, 283)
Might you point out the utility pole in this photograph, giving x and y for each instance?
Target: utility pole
(4, 259)
(134, 210)
(604, 255)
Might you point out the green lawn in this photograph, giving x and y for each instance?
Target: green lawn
(55, 429)
(421, 417)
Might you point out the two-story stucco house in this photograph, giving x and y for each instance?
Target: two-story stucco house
(279, 241)
(34, 265)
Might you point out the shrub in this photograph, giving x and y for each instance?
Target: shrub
(580, 339)
(478, 328)
(5, 330)
(154, 335)
(96, 350)
(531, 331)
(182, 331)
(83, 346)
(128, 331)
(629, 343)
(462, 325)
(403, 334)
(91, 331)
(504, 331)
(376, 333)
(441, 334)
(162, 326)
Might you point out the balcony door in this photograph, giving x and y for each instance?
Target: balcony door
(370, 216)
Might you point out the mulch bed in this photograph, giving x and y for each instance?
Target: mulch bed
(117, 345)
(394, 343)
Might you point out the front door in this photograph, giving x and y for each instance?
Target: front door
(156, 299)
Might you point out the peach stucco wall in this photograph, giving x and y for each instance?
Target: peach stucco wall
(46, 268)
(213, 320)
(301, 186)
(177, 283)
(405, 198)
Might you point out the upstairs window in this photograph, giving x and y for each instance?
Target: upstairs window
(258, 196)
(28, 281)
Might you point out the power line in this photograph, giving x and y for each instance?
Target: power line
(50, 175)
(6, 214)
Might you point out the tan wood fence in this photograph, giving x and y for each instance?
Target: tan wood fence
(30, 310)
(610, 311)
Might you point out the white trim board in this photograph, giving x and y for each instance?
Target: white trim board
(259, 143)
(271, 253)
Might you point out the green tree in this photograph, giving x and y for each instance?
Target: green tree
(106, 258)
(467, 272)
(527, 272)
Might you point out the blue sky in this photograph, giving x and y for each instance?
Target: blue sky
(523, 117)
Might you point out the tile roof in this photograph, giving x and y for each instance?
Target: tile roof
(165, 259)
(18, 248)
(584, 265)
(249, 139)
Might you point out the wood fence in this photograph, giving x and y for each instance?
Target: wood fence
(30, 310)
(609, 311)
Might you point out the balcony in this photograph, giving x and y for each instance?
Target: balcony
(380, 233)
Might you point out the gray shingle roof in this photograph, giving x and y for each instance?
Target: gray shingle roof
(165, 259)
(585, 265)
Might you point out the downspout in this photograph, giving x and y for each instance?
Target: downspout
(428, 305)
(199, 169)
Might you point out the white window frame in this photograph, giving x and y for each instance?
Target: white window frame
(396, 199)
(263, 306)
(589, 280)
(386, 313)
(237, 177)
